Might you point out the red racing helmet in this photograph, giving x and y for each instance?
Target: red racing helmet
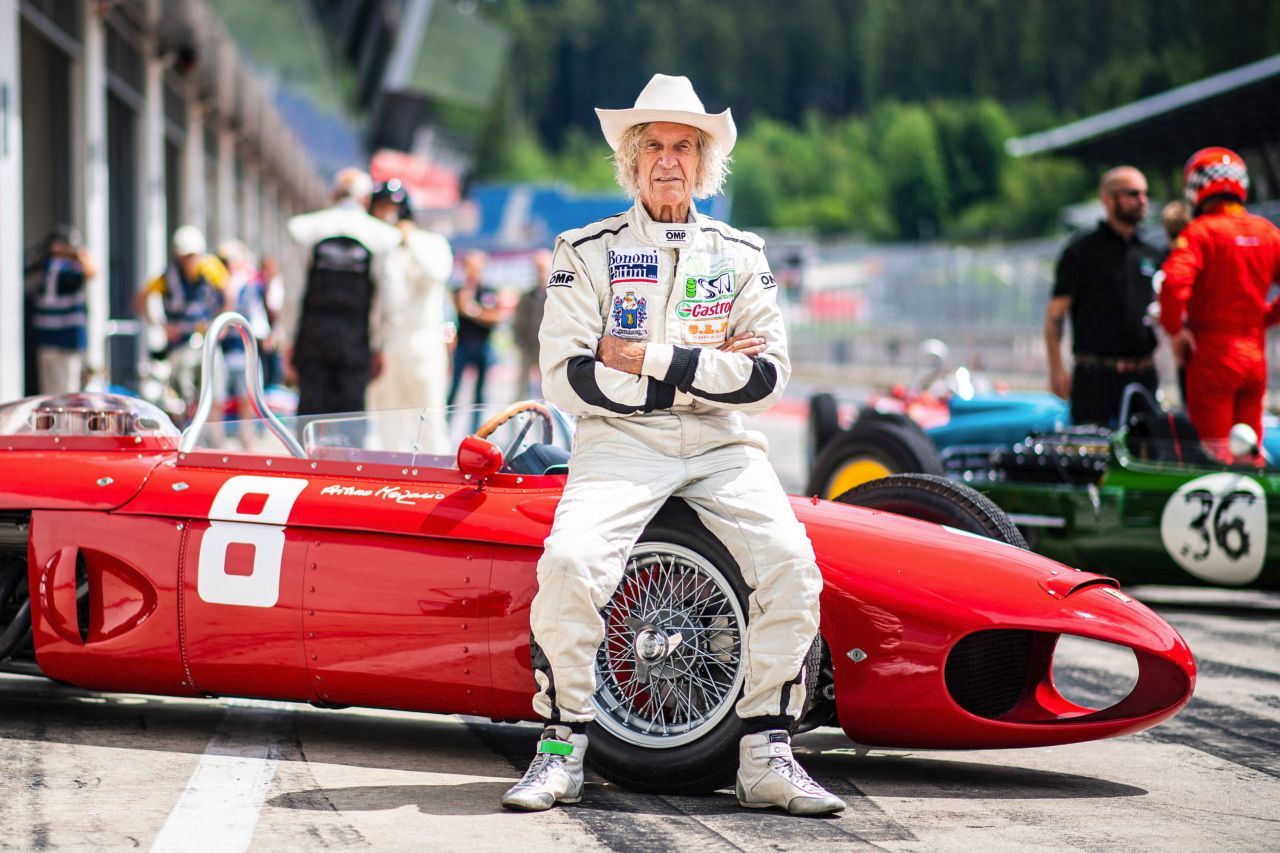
(1215, 171)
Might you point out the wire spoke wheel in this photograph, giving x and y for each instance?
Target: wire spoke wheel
(670, 667)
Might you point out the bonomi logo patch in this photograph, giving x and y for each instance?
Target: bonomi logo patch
(633, 266)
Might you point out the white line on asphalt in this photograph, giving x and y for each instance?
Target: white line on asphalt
(219, 808)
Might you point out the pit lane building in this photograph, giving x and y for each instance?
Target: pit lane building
(127, 118)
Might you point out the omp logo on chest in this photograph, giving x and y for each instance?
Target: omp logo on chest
(633, 266)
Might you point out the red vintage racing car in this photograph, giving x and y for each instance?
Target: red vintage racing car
(317, 568)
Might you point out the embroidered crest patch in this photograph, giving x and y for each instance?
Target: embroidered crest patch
(629, 316)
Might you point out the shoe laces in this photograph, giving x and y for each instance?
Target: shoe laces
(790, 768)
(540, 768)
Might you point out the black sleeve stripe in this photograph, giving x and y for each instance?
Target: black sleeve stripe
(582, 379)
(764, 378)
(661, 395)
(684, 364)
(733, 239)
(598, 235)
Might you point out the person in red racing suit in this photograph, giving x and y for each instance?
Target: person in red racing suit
(1214, 302)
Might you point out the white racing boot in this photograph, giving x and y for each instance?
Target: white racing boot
(769, 775)
(554, 776)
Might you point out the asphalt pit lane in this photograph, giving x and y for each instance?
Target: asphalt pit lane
(1075, 655)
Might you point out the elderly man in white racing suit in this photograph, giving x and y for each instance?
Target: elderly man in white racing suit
(661, 327)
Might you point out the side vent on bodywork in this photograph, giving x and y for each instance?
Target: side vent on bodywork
(987, 672)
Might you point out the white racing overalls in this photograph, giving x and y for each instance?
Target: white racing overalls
(415, 372)
(675, 430)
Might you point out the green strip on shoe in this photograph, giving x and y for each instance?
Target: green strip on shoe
(555, 747)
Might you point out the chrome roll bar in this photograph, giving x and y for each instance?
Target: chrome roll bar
(253, 380)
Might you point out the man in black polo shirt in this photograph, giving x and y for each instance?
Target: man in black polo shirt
(1104, 282)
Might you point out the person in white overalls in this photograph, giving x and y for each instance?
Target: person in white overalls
(408, 396)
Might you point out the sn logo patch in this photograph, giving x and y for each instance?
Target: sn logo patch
(710, 288)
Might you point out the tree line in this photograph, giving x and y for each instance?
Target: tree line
(880, 117)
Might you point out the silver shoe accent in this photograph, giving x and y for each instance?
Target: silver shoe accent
(554, 776)
(769, 775)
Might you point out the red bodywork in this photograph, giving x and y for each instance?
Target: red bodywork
(363, 584)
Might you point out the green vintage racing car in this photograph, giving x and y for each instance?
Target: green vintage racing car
(1146, 503)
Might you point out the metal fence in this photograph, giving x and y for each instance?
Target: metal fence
(859, 313)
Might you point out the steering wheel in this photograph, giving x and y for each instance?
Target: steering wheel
(490, 426)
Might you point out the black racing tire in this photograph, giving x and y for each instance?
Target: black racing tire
(710, 762)
(937, 499)
(875, 446)
(824, 424)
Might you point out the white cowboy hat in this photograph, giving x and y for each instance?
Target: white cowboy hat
(669, 99)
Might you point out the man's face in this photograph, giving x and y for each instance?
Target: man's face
(1126, 197)
(387, 211)
(190, 266)
(667, 165)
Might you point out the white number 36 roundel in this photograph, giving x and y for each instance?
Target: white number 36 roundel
(247, 511)
(1215, 527)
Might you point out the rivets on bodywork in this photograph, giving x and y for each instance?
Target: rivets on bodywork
(268, 463)
(519, 480)
(105, 481)
(359, 467)
(404, 471)
(224, 459)
(179, 525)
(179, 486)
(415, 472)
(857, 655)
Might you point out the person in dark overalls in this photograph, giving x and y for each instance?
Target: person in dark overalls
(337, 345)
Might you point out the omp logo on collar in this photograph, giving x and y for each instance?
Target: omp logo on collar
(633, 266)
(561, 278)
(677, 235)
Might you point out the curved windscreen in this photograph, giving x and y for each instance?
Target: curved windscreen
(406, 437)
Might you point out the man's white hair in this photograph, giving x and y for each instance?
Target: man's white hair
(713, 163)
(352, 183)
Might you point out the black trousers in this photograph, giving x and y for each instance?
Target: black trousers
(330, 383)
(1096, 392)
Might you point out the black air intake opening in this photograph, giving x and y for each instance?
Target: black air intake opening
(987, 672)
